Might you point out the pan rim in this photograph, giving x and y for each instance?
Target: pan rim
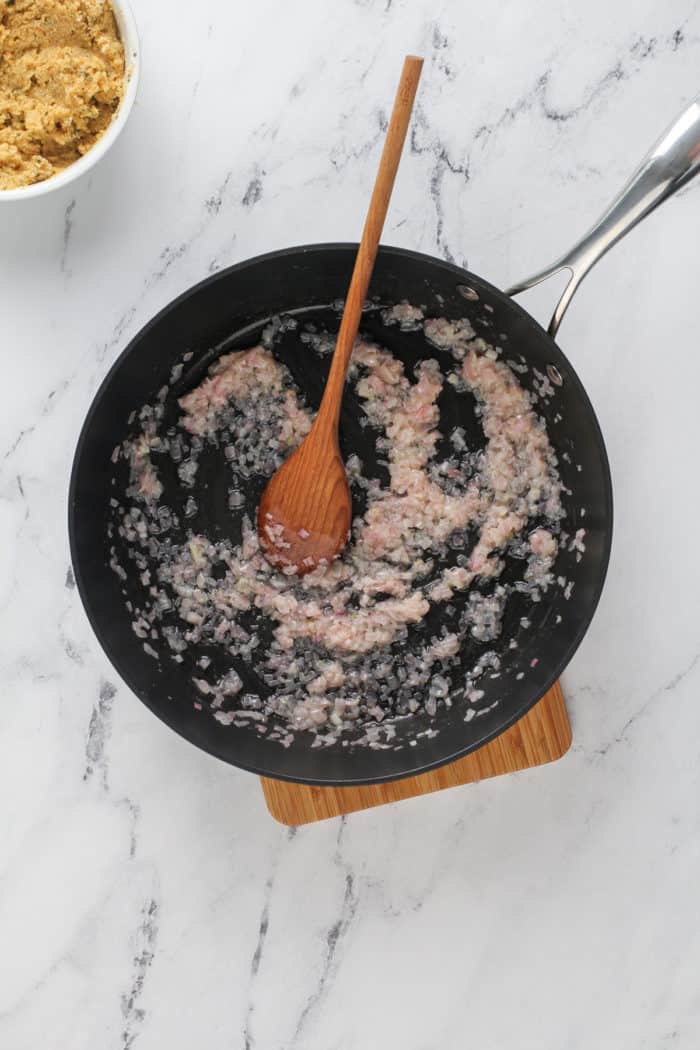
(463, 276)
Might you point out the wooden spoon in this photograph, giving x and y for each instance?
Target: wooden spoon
(304, 514)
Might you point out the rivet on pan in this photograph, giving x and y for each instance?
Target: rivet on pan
(555, 375)
(467, 293)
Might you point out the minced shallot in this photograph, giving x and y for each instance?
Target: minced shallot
(330, 650)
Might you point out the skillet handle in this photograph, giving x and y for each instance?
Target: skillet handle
(668, 166)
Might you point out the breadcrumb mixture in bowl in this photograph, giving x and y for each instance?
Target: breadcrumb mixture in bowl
(64, 75)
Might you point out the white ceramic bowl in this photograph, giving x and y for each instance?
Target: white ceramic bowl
(129, 35)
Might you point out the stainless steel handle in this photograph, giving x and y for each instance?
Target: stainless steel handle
(672, 162)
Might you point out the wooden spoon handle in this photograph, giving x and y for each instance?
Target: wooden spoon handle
(329, 412)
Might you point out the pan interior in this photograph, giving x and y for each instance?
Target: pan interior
(230, 312)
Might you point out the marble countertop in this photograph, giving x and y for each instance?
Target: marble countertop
(146, 898)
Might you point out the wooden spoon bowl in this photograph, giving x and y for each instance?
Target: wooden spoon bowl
(304, 515)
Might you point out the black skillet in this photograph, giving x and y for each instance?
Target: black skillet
(228, 311)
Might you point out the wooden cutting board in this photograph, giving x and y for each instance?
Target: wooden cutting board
(541, 736)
